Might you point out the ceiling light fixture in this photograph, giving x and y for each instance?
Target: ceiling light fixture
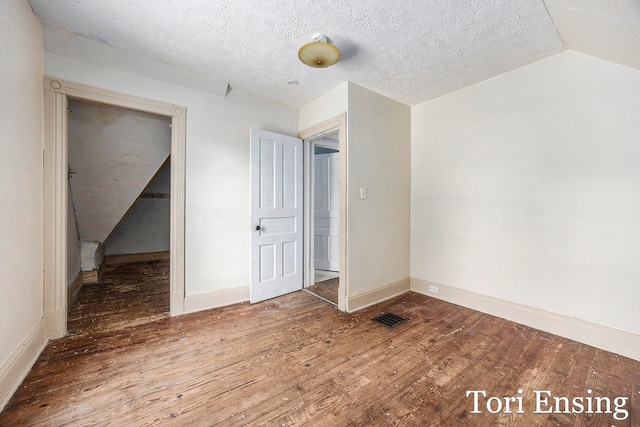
(319, 53)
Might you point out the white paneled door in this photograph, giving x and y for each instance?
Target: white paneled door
(276, 215)
(327, 212)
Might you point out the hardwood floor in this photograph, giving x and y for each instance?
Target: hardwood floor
(296, 360)
(327, 289)
(128, 294)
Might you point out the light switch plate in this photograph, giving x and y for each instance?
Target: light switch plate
(363, 193)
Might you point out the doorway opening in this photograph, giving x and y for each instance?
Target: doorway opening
(118, 216)
(325, 200)
(57, 237)
(325, 188)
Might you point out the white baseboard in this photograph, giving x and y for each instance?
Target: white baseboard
(603, 337)
(205, 301)
(378, 294)
(93, 276)
(20, 362)
(141, 257)
(73, 288)
(177, 303)
(55, 323)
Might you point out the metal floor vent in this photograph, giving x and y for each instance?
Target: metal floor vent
(390, 320)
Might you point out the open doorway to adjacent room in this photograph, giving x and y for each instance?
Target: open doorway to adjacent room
(300, 245)
(118, 216)
(78, 222)
(325, 216)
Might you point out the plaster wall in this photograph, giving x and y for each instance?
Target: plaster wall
(379, 134)
(113, 155)
(524, 189)
(325, 107)
(161, 182)
(145, 227)
(379, 150)
(604, 29)
(217, 166)
(73, 241)
(91, 255)
(21, 169)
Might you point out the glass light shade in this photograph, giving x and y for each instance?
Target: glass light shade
(319, 54)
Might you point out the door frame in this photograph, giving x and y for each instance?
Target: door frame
(308, 136)
(55, 182)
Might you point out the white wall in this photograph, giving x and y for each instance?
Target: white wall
(217, 163)
(525, 189)
(325, 107)
(21, 127)
(145, 228)
(379, 134)
(113, 153)
(379, 150)
(73, 241)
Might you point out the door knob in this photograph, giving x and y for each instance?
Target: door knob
(258, 227)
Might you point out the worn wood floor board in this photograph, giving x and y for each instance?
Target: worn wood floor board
(425, 357)
(405, 409)
(469, 379)
(128, 294)
(510, 380)
(429, 353)
(340, 377)
(429, 406)
(357, 367)
(535, 377)
(87, 386)
(127, 361)
(599, 381)
(308, 379)
(448, 380)
(250, 380)
(411, 392)
(495, 371)
(175, 378)
(250, 392)
(577, 371)
(327, 289)
(276, 379)
(245, 370)
(247, 365)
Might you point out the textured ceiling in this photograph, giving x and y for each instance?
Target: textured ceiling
(408, 50)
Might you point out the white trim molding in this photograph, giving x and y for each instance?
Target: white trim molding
(610, 339)
(214, 299)
(339, 124)
(16, 368)
(378, 294)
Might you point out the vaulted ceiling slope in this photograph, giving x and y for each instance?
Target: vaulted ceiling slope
(408, 50)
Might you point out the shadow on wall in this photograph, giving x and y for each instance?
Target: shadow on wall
(145, 227)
